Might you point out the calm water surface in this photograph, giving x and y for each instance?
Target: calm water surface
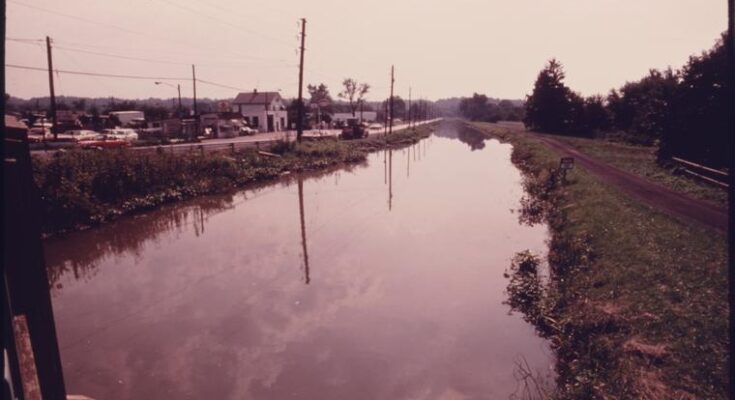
(380, 282)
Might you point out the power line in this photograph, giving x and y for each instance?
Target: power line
(118, 56)
(98, 74)
(95, 73)
(220, 85)
(220, 20)
(76, 18)
(24, 40)
(120, 28)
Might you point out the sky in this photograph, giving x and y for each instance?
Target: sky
(439, 48)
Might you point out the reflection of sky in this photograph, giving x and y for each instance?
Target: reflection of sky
(402, 304)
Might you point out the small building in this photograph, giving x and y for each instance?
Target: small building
(365, 116)
(264, 111)
(128, 117)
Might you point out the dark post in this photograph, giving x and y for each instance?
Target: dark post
(178, 88)
(409, 106)
(51, 87)
(299, 123)
(392, 80)
(27, 284)
(196, 118)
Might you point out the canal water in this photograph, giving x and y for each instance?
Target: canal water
(381, 281)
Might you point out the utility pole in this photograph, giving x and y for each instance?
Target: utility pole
(196, 119)
(392, 80)
(51, 87)
(178, 88)
(194, 82)
(299, 123)
(409, 106)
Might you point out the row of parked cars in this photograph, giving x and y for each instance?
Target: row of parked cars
(84, 138)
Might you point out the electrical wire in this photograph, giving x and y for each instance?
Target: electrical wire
(159, 78)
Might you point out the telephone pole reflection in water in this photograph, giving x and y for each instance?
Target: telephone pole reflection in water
(307, 279)
(390, 180)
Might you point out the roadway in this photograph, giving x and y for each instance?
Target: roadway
(246, 141)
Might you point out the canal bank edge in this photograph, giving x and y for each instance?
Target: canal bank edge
(81, 189)
(637, 304)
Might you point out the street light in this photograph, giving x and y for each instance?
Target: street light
(178, 88)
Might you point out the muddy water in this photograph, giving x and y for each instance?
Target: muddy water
(380, 282)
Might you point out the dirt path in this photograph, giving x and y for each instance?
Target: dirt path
(655, 195)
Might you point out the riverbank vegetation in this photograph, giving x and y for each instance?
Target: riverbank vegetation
(80, 188)
(684, 113)
(636, 305)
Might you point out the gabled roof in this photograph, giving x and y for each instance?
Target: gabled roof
(11, 121)
(256, 97)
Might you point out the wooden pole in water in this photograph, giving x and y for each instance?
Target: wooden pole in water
(303, 230)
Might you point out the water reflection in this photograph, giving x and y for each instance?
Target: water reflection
(408, 302)
(473, 138)
(128, 236)
(303, 229)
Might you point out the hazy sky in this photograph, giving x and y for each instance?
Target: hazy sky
(439, 48)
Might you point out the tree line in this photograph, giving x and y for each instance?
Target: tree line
(684, 113)
(481, 108)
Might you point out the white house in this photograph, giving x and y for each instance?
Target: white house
(367, 116)
(263, 111)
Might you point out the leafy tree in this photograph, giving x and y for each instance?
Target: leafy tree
(354, 93)
(399, 107)
(319, 94)
(155, 113)
(643, 108)
(701, 108)
(478, 108)
(293, 114)
(596, 117)
(79, 104)
(549, 107)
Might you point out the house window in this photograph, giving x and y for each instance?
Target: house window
(283, 122)
(256, 122)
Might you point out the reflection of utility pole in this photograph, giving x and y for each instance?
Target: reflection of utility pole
(303, 230)
(408, 163)
(390, 179)
(385, 167)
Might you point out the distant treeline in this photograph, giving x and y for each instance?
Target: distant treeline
(684, 112)
(482, 108)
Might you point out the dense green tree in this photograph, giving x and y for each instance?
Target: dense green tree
(479, 108)
(548, 108)
(399, 107)
(596, 117)
(643, 108)
(700, 109)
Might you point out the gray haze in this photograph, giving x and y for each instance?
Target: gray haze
(440, 48)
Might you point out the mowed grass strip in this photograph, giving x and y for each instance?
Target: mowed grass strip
(641, 161)
(661, 281)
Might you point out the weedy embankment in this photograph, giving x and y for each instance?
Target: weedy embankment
(81, 188)
(636, 304)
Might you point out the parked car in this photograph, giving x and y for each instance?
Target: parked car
(80, 135)
(354, 131)
(104, 142)
(125, 134)
(246, 130)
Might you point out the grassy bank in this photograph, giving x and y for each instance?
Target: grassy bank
(641, 160)
(637, 305)
(86, 188)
